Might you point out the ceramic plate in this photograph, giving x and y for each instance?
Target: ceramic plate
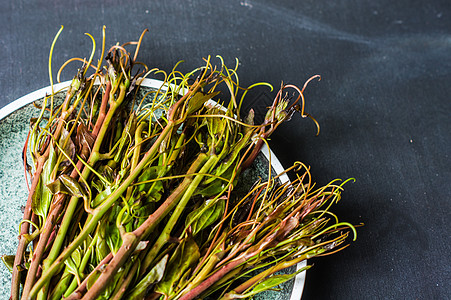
(14, 125)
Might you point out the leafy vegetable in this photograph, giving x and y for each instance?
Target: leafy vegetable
(133, 196)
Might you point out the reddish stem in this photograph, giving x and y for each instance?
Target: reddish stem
(24, 230)
(25, 227)
(24, 156)
(43, 238)
(102, 110)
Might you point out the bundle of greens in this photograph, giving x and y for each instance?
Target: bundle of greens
(135, 199)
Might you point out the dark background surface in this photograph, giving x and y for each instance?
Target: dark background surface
(383, 104)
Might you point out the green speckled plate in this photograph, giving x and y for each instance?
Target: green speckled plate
(14, 125)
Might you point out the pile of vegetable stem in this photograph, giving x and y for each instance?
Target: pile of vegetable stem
(135, 199)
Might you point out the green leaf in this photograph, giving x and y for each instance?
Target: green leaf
(37, 200)
(69, 147)
(215, 125)
(32, 142)
(101, 248)
(92, 279)
(269, 283)
(76, 257)
(211, 190)
(84, 141)
(8, 260)
(72, 186)
(73, 263)
(209, 212)
(153, 190)
(109, 173)
(113, 238)
(228, 163)
(213, 186)
(149, 173)
(197, 101)
(185, 256)
(101, 197)
(184, 279)
(42, 197)
(66, 185)
(154, 276)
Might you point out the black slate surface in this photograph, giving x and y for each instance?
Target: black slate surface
(383, 103)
